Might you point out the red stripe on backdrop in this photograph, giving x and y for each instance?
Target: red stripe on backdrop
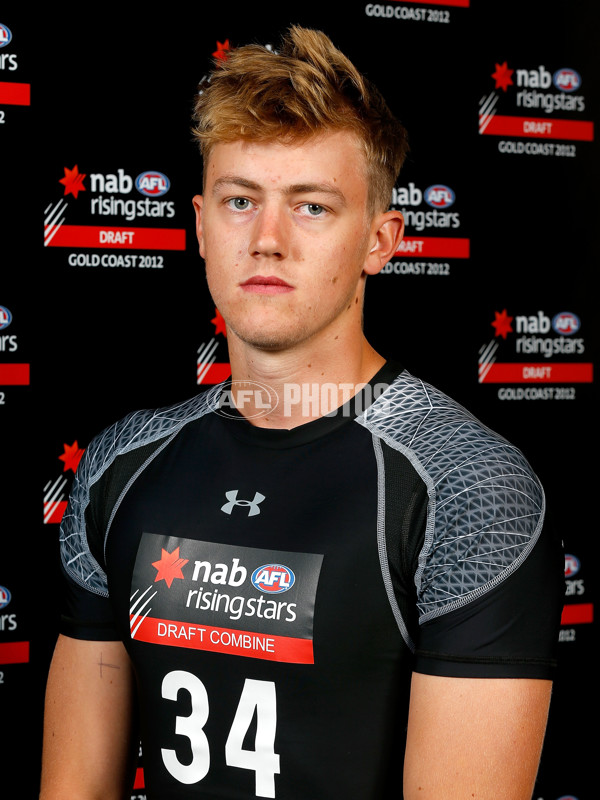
(433, 247)
(538, 128)
(15, 94)
(577, 613)
(14, 375)
(139, 782)
(54, 512)
(214, 374)
(14, 653)
(116, 238)
(537, 373)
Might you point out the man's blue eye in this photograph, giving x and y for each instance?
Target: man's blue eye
(240, 203)
(315, 209)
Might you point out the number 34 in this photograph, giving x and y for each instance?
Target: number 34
(263, 760)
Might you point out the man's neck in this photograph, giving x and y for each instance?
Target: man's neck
(284, 389)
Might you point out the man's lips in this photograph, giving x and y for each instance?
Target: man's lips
(269, 284)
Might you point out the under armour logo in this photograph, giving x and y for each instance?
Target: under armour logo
(233, 501)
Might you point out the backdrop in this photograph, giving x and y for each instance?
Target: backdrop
(104, 307)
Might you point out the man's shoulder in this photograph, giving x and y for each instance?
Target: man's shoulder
(486, 503)
(109, 462)
(142, 428)
(447, 444)
(414, 415)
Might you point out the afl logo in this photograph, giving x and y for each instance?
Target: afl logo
(571, 565)
(5, 35)
(567, 80)
(5, 318)
(439, 196)
(152, 184)
(273, 578)
(4, 597)
(566, 323)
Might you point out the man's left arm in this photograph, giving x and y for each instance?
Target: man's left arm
(474, 737)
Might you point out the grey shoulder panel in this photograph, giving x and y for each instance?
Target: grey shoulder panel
(136, 430)
(486, 506)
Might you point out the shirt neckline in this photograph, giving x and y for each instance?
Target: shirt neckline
(277, 438)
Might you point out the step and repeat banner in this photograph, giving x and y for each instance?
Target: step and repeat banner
(104, 307)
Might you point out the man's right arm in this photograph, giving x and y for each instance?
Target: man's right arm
(90, 743)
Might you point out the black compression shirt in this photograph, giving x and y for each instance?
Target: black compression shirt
(276, 588)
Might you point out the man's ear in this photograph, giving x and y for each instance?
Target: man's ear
(198, 202)
(386, 234)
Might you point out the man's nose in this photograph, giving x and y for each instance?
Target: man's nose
(270, 233)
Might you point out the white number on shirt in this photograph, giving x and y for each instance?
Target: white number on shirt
(259, 695)
(263, 760)
(191, 726)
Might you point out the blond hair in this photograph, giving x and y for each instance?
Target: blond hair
(307, 87)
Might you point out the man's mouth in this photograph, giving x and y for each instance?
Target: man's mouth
(266, 284)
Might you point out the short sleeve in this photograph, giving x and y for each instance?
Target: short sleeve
(510, 631)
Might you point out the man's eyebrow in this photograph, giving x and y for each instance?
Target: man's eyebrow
(296, 188)
(321, 188)
(235, 180)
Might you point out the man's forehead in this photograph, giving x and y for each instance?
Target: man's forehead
(319, 160)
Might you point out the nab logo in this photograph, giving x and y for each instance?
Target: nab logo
(251, 505)
(273, 578)
(566, 323)
(567, 80)
(439, 196)
(152, 184)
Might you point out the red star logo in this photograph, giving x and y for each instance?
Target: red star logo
(222, 49)
(73, 181)
(71, 456)
(502, 76)
(219, 323)
(502, 323)
(169, 566)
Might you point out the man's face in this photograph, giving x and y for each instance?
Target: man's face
(286, 234)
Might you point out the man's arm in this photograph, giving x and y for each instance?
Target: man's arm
(89, 744)
(474, 737)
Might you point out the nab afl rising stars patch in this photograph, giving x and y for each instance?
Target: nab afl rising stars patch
(222, 598)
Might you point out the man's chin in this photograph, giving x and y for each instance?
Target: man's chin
(270, 343)
(267, 339)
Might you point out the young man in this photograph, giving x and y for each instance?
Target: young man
(342, 594)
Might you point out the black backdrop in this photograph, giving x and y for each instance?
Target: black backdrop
(104, 307)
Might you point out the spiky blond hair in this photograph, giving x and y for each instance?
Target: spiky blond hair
(306, 87)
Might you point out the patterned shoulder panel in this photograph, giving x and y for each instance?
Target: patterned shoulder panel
(136, 430)
(486, 506)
